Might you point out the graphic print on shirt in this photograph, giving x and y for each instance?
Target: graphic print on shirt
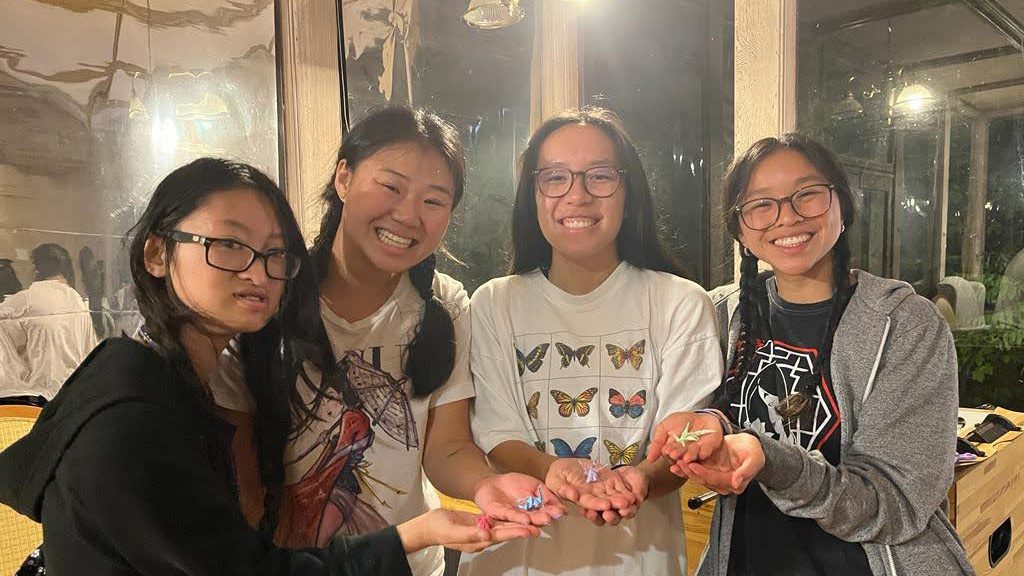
(567, 404)
(327, 500)
(776, 367)
(582, 450)
(531, 405)
(581, 354)
(532, 361)
(634, 354)
(564, 398)
(618, 406)
(618, 455)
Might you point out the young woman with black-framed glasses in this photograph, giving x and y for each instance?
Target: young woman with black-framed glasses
(844, 383)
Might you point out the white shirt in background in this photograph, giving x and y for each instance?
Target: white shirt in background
(642, 338)
(49, 324)
(13, 371)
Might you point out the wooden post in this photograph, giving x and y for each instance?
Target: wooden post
(899, 195)
(977, 192)
(554, 69)
(311, 103)
(765, 85)
(942, 195)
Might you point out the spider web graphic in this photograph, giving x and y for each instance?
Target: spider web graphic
(758, 398)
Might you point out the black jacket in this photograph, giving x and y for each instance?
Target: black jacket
(127, 470)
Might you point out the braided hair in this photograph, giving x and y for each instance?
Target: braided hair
(753, 302)
(430, 356)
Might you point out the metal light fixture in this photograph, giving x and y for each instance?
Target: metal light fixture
(847, 108)
(493, 14)
(913, 99)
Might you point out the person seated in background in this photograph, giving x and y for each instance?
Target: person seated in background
(1009, 309)
(94, 280)
(961, 302)
(9, 283)
(48, 324)
(13, 371)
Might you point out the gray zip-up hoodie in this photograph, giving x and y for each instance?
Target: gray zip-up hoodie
(893, 370)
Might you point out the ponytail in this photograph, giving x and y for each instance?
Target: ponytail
(431, 355)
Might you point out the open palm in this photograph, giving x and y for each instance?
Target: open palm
(496, 496)
(729, 469)
(567, 478)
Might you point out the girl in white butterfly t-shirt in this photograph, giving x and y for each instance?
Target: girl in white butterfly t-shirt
(577, 355)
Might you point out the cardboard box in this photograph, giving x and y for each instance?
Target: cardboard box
(986, 495)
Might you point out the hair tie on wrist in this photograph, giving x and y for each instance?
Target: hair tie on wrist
(727, 427)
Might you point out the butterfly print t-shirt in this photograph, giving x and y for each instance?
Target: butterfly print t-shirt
(588, 377)
(359, 468)
(764, 540)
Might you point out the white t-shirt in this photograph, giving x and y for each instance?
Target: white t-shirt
(49, 324)
(13, 371)
(360, 468)
(591, 375)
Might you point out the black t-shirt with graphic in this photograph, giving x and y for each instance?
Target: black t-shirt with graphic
(766, 541)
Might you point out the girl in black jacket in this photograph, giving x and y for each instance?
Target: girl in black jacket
(129, 468)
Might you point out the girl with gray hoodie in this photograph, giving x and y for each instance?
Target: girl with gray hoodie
(844, 383)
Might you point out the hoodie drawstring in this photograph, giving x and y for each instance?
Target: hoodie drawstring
(878, 359)
(890, 562)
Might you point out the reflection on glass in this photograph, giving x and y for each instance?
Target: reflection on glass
(48, 325)
(477, 80)
(663, 70)
(97, 119)
(925, 104)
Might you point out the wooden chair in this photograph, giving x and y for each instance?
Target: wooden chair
(19, 536)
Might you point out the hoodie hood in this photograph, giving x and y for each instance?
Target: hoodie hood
(28, 465)
(882, 295)
(874, 296)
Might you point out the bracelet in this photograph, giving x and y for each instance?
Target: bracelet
(727, 427)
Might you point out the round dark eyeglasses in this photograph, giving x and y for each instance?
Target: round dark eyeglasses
(600, 182)
(808, 202)
(233, 256)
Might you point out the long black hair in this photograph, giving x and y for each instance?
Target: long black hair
(753, 293)
(53, 260)
(430, 357)
(638, 242)
(9, 283)
(271, 357)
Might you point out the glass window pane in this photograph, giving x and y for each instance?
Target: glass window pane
(479, 80)
(93, 120)
(925, 105)
(663, 69)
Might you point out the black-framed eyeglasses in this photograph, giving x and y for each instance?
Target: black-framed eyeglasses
(234, 256)
(808, 202)
(599, 182)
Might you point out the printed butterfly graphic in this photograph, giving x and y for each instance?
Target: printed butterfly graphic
(581, 403)
(619, 407)
(531, 405)
(534, 360)
(618, 455)
(635, 354)
(581, 354)
(583, 450)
